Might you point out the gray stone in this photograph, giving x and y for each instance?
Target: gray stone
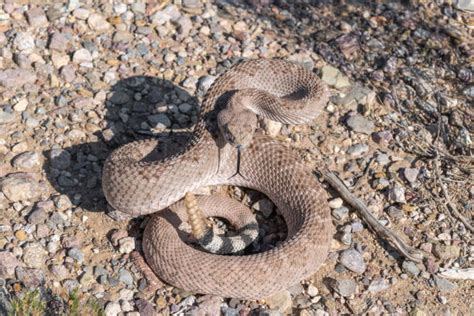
(344, 287)
(411, 268)
(20, 187)
(31, 278)
(36, 17)
(27, 161)
(6, 307)
(160, 120)
(353, 260)
(145, 308)
(340, 213)
(184, 25)
(81, 55)
(397, 194)
(357, 95)
(444, 285)
(205, 83)
(76, 254)
(24, 41)
(60, 159)
(34, 255)
(16, 78)
(98, 23)
(60, 41)
(6, 117)
(360, 124)
(280, 301)
(395, 213)
(465, 5)
(383, 137)
(37, 216)
(378, 284)
(125, 277)
(8, 263)
(382, 159)
(357, 150)
(333, 77)
(126, 245)
(170, 13)
(411, 174)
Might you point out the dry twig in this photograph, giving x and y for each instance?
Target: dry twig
(407, 251)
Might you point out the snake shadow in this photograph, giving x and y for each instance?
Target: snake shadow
(137, 107)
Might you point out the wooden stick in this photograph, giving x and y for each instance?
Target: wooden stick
(383, 232)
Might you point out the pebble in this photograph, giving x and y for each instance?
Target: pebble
(60, 41)
(27, 161)
(97, 23)
(357, 95)
(36, 17)
(312, 290)
(280, 301)
(20, 187)
(465, 5)
(378, 285)
(8, 263)
(6, 117)
(125, 277)
(335, 203)
(16, 78)
(360, 124)
(444, 285)
(446, 251)
(333, 77)
(397, 194)
(126, 245)
(340, 213)
(24, 41)
(81, 13)
(344, 287)
(76, 254)
(112, 309)
(60, 159)
(411, 174)
(383, 138)
(357, 150)
(395, 213)
(353, 260)
(34, 255)
(160, 121)
(81, 55)
(411, 268)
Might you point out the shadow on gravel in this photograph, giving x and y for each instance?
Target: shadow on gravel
(138, 107)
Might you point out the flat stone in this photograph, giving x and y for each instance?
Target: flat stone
(76, 254)
(6, 117)
(357, 95)
(16, 78)
(27, 161)
(112, 309)
(378, 285)
(126, 245)
(383, 137)
(464, 5)
(360, 124)
(98, 23)
(411, 268)
(357, 150)
(160, 120)
(353, 260)
(20, 187)
(60, 41)
(344, 287)
(333, 77)
(31, 278)
(81, 13)
(397, 194)
(82, 55)
(280, 301)
(24, 41)
(36, 17)
(170, 13)
(444, 285)
(34, 255)
(411, 174)
(8, 263)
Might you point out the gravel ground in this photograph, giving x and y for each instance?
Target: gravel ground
(78, 80)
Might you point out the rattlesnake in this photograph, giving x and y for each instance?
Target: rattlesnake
(136, 183)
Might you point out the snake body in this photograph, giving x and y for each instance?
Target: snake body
(136, 183)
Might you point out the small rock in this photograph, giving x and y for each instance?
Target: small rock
(465, 5)
(410, 174)
(31, 278)
(60, 159)
(272, 128)
(312, 290)
(344, 287)
(76, 254)
(170, 13)
(34, 256)
(112, 309)
(357, 150)
(333, 77)
(145, 308)
(205, 83)
(6, 117)
(382, 159)
(36, 17)
(335, 203)
(360, 124)
(395, 213)
(446, 251)
(444, 285)
(60, 41)
(20, 187)
(24, 41)
(383, 137)
(98, 23)
(8, 263)
(378, 284)
(82, 55)
(27, 161)
(397, 194)
(126, 245)
(280, 301)
(125, 277)
(68, 73)
(340, 213)
(81, 13)
(353, 261)
(160, 121)
(411, 268)
(357, 95)
(16, 78)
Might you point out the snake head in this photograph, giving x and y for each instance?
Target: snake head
(237, 127)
